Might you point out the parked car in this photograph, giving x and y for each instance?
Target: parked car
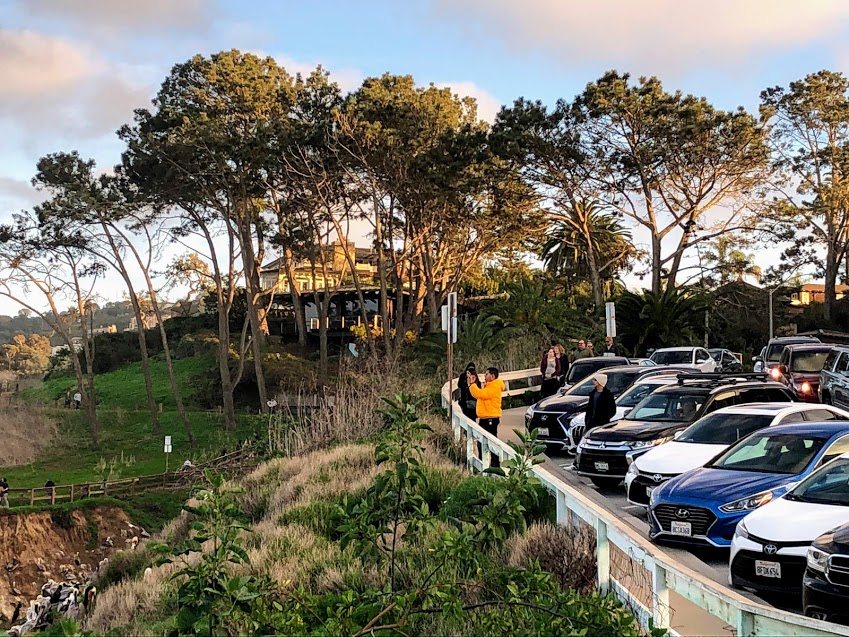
(834, 377)
(584, 367)
(553, 417)
(825, 585)
(630, 398)
(771, 354)
(799, 368)
(642, 362)
(726, 360)
(703, 506)
(769, 555)
(605, 452)
(695, 357)
(758, 361)
(711, 435)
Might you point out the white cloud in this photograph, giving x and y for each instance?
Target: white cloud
(488, 104)
(348, 79)
(16, 194)
(649, 36)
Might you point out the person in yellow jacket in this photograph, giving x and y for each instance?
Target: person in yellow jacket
(488, 396)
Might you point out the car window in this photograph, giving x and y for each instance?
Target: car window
(616, 383)
(791, 418)
(583, 368)
(785, 356)
(842, 364)
(770, 453)
(763, 395)
(818, 415)
(828, 365)
(723, 429)
(810, 361)
(729, 359)
(673, 358)
(724, 399)
(635, 394)
(668, 406)
(838, 448)
(773, 352)
(827, 485)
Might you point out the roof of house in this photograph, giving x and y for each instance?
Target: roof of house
(819, 287)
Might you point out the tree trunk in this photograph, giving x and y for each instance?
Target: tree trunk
(381, 271)
(224, 365)
(829, 292)
(656, 282)
(298, 306)
(252, 298)
(145, 361)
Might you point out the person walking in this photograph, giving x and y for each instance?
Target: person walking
(4, 493)
(580, 352)
(609, 348)
(551, 369)
(468, 405)
(488, 395)
(602, 406)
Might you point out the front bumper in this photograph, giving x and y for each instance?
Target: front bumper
(746, 552)
(638, 487)
(709, 526)
(824, 600)
(554, 429)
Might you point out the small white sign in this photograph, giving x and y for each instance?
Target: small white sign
(168, 448)
(167, 441)
(272, 404)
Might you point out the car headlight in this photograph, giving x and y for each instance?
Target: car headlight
(747, 504)
(530, 413)
(632, 470)
(775, 373)
(741, 530)
(816, 559)
(653, 497)
(805, 388)
(643, 444)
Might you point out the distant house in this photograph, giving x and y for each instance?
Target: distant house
(105, 329)
(815, 293)
(338, 269)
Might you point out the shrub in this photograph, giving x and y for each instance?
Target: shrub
(63, 518)
(568, 553)
(476, 491)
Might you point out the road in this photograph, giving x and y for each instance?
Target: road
(687, 618)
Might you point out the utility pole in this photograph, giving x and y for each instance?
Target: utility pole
(449, 326)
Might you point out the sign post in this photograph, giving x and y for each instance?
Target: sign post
(449, 326)
(168, 450)
(610, 321)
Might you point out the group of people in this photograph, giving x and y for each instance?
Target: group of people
(555, 363)
(480, 397)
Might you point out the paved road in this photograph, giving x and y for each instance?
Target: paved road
(687, 618)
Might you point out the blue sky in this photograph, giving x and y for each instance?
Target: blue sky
(71, 71)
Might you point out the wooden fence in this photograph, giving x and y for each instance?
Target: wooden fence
(232, 464)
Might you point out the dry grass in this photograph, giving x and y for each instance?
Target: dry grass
(27, 432)
(568, 553)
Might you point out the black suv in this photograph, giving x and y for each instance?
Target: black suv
(583, 367)
(605, 452)
(772, 352)
(825, 586)
(552, 416)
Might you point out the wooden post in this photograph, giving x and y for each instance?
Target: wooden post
(31, 497)
(602, 556)
(72, 493)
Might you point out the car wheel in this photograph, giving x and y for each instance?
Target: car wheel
(606, 483)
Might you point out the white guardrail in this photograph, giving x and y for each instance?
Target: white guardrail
(634, 552)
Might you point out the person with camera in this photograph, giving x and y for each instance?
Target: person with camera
(488, 395)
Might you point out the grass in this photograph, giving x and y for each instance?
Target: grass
(126, 429)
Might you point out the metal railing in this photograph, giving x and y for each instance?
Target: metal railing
(621, 551)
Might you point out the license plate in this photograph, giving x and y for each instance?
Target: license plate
(768, 569)
(602, 466)
(542, 431)
(681, 528)
(649, 490)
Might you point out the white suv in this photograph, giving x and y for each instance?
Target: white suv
(711, 435)
(696, 357)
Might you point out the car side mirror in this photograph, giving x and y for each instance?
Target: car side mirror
(757, 359)
(677, 434)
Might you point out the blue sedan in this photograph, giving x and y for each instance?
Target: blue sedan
(703, 506)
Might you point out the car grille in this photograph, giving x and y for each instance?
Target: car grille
(617, 465)
(837, 571)
(638, 491)
(700, 518)
(549, 420)
(792, 569)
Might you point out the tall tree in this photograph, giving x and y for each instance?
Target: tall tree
(809, 131)
(674, 164)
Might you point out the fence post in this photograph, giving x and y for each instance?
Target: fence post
(72, 493)
(470, 448)
(660, 597)
(745, 623)
(562, 511)
(485, 457)
(602, 556)
(31, 497)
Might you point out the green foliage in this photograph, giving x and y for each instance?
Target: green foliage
(666, 319)
(26, 355)
(476, 337)
(62, 518)
(466, 500)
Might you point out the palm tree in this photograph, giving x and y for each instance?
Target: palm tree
(672, 317)
(585, 241)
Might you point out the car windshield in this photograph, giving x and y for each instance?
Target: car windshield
(828, 485)
(773, 352)
(723, 429)
(716, 354)
(669, 406)
(807, 361)
(617, 382)
(583, 368)
(770, 453)
(675, 357)
(636, 393)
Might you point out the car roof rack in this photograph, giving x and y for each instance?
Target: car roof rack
(724, 378)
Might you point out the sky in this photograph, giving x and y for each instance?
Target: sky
(72, 71)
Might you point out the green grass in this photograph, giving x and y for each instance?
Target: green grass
(126, 427)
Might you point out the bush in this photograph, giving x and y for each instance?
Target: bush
(474, 492)
(568, 553)
(63, 518)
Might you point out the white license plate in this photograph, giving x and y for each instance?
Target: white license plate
(542, 431)
(649, 490)
(602, 466)
(681, 528)
(768, 569)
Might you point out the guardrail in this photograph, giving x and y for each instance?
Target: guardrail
(233, 463)
(621, 551)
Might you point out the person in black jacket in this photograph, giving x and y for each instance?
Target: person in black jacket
(602, 405)
(468, 404)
